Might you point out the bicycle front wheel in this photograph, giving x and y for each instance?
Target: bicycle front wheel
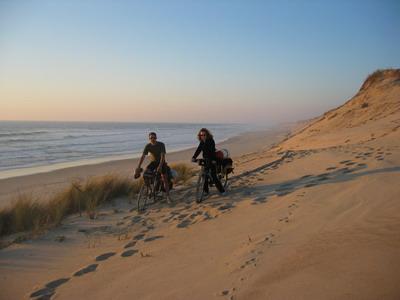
(156, 188)
(142, 198)
(200, 188)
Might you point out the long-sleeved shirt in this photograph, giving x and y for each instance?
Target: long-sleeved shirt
(208, 149)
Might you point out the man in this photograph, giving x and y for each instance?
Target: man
(157, 154)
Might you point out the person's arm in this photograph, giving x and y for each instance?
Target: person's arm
(141, 161)
(198, 150)
(145, 152)
(212, 146)
(162, 161)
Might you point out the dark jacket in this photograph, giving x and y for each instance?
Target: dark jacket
(208, 149)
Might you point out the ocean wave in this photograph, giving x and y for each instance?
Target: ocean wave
(5, 134)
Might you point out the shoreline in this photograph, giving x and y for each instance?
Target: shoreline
(38, 169)
(34, 170)
(44, 184)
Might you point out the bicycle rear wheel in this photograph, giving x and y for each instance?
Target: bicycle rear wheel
(199, 188)
(143, 197)
(224, 180)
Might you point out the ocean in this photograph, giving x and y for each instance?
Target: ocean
(26, 145)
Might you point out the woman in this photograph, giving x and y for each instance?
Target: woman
(207, 146)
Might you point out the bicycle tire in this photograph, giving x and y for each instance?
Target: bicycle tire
(224, 180)
(155, 191)
(142, 197)
(199, 188)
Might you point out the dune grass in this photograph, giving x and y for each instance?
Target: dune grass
(378, 75)
(185, 172)
(28, 213)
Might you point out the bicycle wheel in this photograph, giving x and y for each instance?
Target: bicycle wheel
(199, 188)
(156, 188)
(224, 180)
(142, 197)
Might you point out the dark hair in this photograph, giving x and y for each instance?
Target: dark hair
(152, 133)
(207, 132)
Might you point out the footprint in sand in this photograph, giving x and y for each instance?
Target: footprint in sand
(184, 224)
(105, 256)
(249, 262)
(153, 238)
(44, 293)
(344, 162)
(225, 207)
(139, 236)
(285, 219)
(88, 269)
(130, 244)
(129, 253)
(182, 216)
(331, 168)
(305, 176)
(49, 289)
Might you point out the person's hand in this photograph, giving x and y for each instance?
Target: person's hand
(193, 159)
(137, 172)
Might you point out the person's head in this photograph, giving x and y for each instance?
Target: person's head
(204, 134)
(153, 137)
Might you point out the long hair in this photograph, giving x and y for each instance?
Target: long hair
(207, 132)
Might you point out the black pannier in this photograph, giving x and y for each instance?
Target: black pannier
(227, 165)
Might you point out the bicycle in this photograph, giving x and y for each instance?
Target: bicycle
(205, 174)
(151, 187)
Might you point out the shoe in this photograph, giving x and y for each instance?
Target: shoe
(169, 200)
(223, 194)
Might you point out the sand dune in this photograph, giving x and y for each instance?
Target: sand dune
(315, 217)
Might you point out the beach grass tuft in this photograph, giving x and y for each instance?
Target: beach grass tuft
(28, 213)
(185, 172)
(379, 75)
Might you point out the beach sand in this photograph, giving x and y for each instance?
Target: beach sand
(313, 217)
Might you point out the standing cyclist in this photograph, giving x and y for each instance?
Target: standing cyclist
(207, 146)
(158, 163)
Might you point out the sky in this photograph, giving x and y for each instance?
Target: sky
(189, 61)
